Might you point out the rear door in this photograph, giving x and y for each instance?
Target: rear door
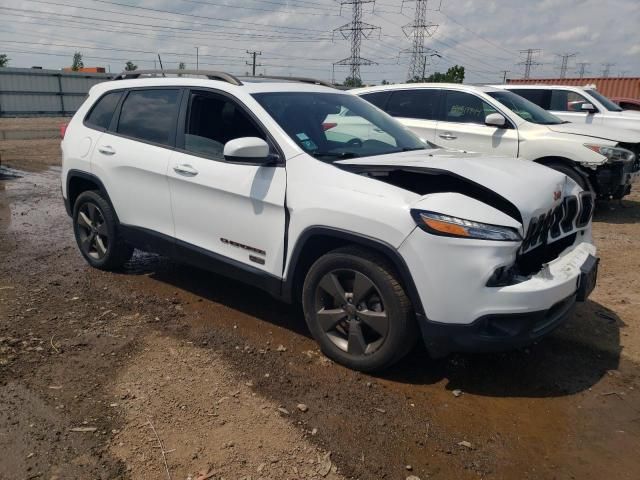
(232, 210)
(417, 109)
(132, 158)
(463, 126)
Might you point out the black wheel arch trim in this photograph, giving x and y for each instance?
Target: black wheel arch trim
(380, 246)
(89, 177)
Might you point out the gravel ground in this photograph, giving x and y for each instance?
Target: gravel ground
(91, 363)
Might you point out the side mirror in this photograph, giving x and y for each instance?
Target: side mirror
(495, 120)
(588, 107)
(247, 149)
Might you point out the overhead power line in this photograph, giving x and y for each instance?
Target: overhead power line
(355, 31)
(529, 63)
(565, 62)
(417, 31)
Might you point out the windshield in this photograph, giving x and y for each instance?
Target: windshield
(525, 109)
(334, 126)
(608, 104)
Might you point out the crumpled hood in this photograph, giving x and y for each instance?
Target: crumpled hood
(532, 188)
(597, 131)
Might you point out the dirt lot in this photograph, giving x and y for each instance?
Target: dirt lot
(106, 375)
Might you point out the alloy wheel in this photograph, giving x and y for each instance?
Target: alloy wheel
(92, 231)
(350, 311)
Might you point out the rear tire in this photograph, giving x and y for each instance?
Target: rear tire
(357, 310)
(97, 232)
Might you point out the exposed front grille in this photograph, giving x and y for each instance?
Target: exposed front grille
(572, 214)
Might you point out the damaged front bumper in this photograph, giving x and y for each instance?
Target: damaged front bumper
(614, 180)
(463, 314)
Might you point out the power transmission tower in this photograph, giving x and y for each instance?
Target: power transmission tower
(529, 62)
(565, 63)
(253, 61)
(417, 31)
(606, 69)
(355, 31)
(583, 68)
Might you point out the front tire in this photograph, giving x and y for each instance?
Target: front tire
(574, 175)
(96, 231)
(357, 310)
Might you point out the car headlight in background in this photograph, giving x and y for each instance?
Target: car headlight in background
(614, 154)
(446, 225)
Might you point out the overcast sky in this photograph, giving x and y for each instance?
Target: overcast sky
(295, 36)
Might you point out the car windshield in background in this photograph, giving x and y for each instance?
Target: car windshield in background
(608, 104)
(525, 109)
(334, 126)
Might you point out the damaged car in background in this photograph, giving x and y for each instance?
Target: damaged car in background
(381, 237)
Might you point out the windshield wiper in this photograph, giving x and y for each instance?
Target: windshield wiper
(338, 155)
(412, 149)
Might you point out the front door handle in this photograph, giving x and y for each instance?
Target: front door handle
(106, 150)
(447, 136)
(186, 170)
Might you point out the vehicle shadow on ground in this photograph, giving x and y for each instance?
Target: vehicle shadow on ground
(570, 360)
(627, 212)
(224, 291)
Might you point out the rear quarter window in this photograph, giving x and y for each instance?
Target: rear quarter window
(149, 115)
(102, 111)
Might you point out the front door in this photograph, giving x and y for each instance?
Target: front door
(463, 127)
(567, 105)
(232, 210)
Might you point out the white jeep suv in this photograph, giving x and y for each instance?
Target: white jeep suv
(491, 120)
(382, 238)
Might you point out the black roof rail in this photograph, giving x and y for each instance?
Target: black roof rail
(295, 79)
(210, 74)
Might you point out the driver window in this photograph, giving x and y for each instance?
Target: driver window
(567, 101)
(213, 120)
(461, 107)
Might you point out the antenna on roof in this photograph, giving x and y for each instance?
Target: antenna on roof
(161, 69)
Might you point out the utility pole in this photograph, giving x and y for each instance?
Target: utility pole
(565, 63)
(606, 69)
(583, 68)
(355, 31)
(253, 61)
(529, 62)
(504, 76)
(417, 31)
(197, 58)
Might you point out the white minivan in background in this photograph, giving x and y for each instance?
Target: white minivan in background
(491, 120)
(578, 105)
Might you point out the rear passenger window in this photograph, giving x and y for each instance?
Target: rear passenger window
(461, 107)
(379, 99)
(422, 104)
(149, 115)
(102, 112)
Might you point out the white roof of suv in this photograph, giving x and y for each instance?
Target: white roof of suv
(404, 86)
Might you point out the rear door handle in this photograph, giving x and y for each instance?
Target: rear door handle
(447, 136)
(186, 170)
(106, 150)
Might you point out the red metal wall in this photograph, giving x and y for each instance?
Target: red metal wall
(628, 87)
